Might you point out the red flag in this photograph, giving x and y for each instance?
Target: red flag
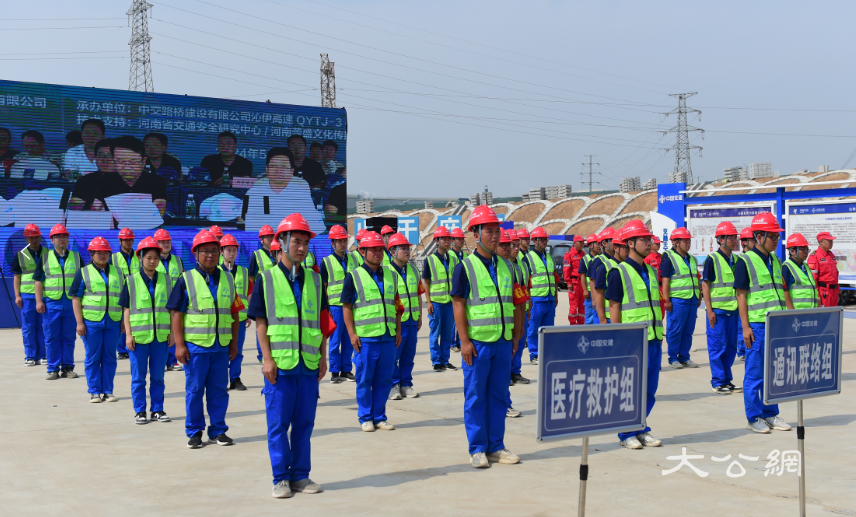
(327, 323)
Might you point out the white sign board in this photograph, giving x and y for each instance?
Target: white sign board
(838, 218)
(702, 223)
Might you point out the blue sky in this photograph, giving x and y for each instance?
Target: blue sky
(445, 97)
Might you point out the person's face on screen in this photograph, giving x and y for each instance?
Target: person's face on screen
(32, 146)
(104, 160)
(128, 162)
(315, 153)
(297, 148)
(328, 153)
(154, 148)
(5, 140)
(91, 135)
(280, 169)
(226, 146)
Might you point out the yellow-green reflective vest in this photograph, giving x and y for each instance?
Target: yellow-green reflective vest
(722, 294)
(684, 281)
(609, 263)
(120, 262)
(374, 314)
(28, 266)
(441, 280)
(309, 262)
(293, 330)
(357, 258)
(58, 279)
(206, 317)
(336, 277)
(803, 291)
(543, 279)
(523, 269)
(587, 258)
(490, 307)
(99, 298)
(641, 304)
(149, 316)
(264, 260)
(408, 293)
(242, 286)
(176, 268)
(765, 290)
(385, 261)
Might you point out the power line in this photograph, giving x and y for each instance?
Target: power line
(590, 172)
(59, 53)
(682, 147)
(140, 77)
(59, 28)
(328, 82)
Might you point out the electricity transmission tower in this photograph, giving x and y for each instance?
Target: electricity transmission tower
(328, 82)
(140, 79)
(590, 172)
(683, 169)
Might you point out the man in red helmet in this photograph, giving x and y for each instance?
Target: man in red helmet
(355, 253)
(720, 303)
(802, 291)
(172, 266)
(681, 297)
(517, 360)
(606, 260)
(334, 269)
(23, 267)
(571, 274)
(542, 289)
(437, 281)
(261, 260)
(243, 285)
(128, 263)
(747, 242)
(822, 263)
(458, 242)
(583, 272)
(654, 259)
(385, 233)
(410, 291)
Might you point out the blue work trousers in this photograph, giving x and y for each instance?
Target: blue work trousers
(680, 325)
(235, 364)
(741, 345)
(655, 355)
(543, 315)
(170, 356)
(290, 406)
(753, 378)
(485, 396)
(517, 358)
(149, 358)
(60, 329)
(721, 348)
(100, 364)
(32, 329)
(402, 372)
(341, 349)
(207, 374)
(374, 362)
(120, 346)
(442, 332)
(591, 314)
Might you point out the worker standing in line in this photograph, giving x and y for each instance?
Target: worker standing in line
(23, 267)
(654, 259)
(506, 251)
(543, 292)
(681, 297)
(410, 291)
(143, 299)
(334, 268)
(747, 242)
(374, 324)
(261, 260)
(385, 233)
(203, 307)
(95, 297)
(583, 270)
(217, 232)
(635, 299)
(601, 280)
(802, 290)
(437, 280)
(173, 266)
(489, 324)
(54, 276)
(457, 249)
(759, 288)
(355, 253)
(127, 262)
(825, 270)
(292, 323)
(720, 305)
(243, 284)
(523, 279)
(600, 306)
(571, 275)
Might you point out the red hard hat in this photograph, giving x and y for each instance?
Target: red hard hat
(482, 214)
(725, 228)
(591, 238)
(148, 243)
(99, 244)
(58, 229)
(386, 229)
(634, 228)
(607, 233)
(457, 233)
(680, 233)
(204, 237)
(578, 238)
(274, 246)
(766, 222)
(216, 230)
(371, 240)
(229, 240)
(523, 233)
(337, 232)
(657, 240)
(825, 235)
(126, 233)
(514, 235)
(746, 233)
(539, 233)
(442, 231)
(795, 240)
(294, 223)
(505, 236)
(31, 230)
(162, 235)
(361, 234)
(618, 240)
(398, 239)
(265, 230)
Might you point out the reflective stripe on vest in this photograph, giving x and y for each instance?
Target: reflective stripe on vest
(264, 261)
(803, 291)
(207, 318)
(543, 281)
(28, 266)
(97, 297)
(441, 280)
(242, 286)
(765, 291)
(640, 303)
(335, 279)
(373, 315)
(120, 262)
(175, 269)
(684, 281)
(58, 280)
(149, 317)
(520, 256)
(293, 332)
(408, 293)
(722, 294)
(357, 258)
(490, 307)
(309, 262)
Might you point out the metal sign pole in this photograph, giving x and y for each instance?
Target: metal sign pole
(801, 447)
(581, 506)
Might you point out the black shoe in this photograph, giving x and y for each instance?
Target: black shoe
(516, 378)
(348, 376)
(160, 416)
(439, 368)
(335, 378)
(140, 418)
(734, 388)
(450, 366)
(123, 356)
(721, 390)
(195, 441)
(237, 385)
(221, 440)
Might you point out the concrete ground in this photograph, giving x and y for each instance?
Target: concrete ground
(61, 455)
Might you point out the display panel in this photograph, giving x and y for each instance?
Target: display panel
(836, 217)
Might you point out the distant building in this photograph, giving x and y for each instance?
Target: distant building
(677, 177)
(474, 199)
(650, 184)
(558, 191)
(365, 206)
(429, 204)
(524, 197)
(536, 194)
(760, 170)
(736, 174)
(823, 168)
(630, 185)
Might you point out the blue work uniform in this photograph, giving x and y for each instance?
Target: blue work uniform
(32, 321)
(100, 340)
(722, 337)
(290, 402)
(681, 320)
(170, 354)
(374, 362)
(60, 327)
(753, 376)
(253, 271)
(405, 352)
(207, 372)
(341, 350)
(441, 324)
(128, 258)
(146, 358)
(615, 294)
(235, 364)
(589, 309)
(595, 273)
(543, 312)
(461, 256)
(486, 381)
